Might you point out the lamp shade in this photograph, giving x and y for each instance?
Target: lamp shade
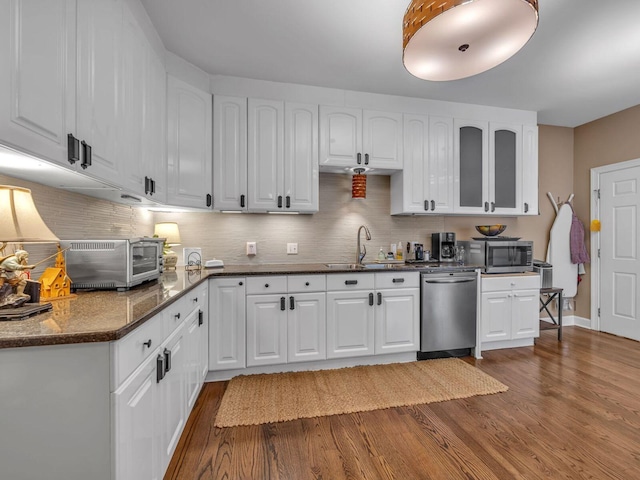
(168, 230)
(453, 39)
(19, 217)
(359, 184)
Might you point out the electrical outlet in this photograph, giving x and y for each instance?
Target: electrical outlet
(252, 248)
(292, 248)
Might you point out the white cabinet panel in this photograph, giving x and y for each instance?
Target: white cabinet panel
(266, 329)
(397, 321)
(189, 151)
(230, 153)
(227, 323)
(306, 331)
(340, 136)
(496, 316)
(350, 324)
(530, 169)
(382, 139)
(526, 319)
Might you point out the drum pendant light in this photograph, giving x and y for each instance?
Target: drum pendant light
(452, 39)
(358, 184)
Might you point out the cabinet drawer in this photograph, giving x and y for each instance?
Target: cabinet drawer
(307, 283)
(350, 281)
(397, 280)
(174, 315)
(266, 284)
(132, 349)
(515, 282)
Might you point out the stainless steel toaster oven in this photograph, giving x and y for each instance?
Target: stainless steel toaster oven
(113, 264)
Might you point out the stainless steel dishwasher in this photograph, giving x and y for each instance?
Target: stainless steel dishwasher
(448, 313)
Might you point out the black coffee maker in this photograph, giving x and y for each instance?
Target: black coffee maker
(443, 246)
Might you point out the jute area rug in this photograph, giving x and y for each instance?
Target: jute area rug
(278, 397)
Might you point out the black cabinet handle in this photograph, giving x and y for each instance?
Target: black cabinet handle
(486, 206)
(288, 204)
(266, 285)
(279, 201)
(493, 206)
(167, 360)
(282, 303)
(160, 372)
(398, 280)
(209, 200)
(73, 149)
(379, 298)
(147, 343)
(153, 186)
(433, 205)
(359, 158)
(240, 283)
(86, 155)
(307, 284)
(147, 185)
(242, 201)
(200, 318)
(366, 159)
(426, 205)
(177, 315)
(194, 299)
(371, 299)
(292, 303)
(351, 282)
(526, 207)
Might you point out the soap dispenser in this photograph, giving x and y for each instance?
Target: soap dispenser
(381, 254)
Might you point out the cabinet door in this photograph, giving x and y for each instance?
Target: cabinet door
(38, 74)
(341, 137)
(505, 169)
(440, 169)
(227, 323)
(496, 316)
(154, 132)
(265, 152)
(230, 153)
(173, 398)
(189, 160)
(192, 346)
(414, 179)
(471, 157)
(99, 108)
(397, 321)
(301, 181)
(266, 329)
(350, 324)
(526, 314)
(307, 322)
(382, 139)
(137, 416)
(203, 324)
(530, 170)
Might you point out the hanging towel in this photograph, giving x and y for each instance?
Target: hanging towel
(579, 252)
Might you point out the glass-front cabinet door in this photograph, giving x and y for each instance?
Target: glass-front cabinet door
(488, 168)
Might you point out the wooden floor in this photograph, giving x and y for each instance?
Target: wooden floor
(572, 411)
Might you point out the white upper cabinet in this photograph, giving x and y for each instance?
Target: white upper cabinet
(265, 155)
(301, 180)
(488, 168)
(189, 150)
(355, 138)
(37, 78)
(229, 153)
(530, 169)
(425, 185)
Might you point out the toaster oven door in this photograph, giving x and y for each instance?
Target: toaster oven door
(145, 260)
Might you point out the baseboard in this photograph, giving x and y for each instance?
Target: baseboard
(571, 320)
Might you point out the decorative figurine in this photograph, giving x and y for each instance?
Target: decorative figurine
(13, 279)
(54, 281)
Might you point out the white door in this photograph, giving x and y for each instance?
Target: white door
(496, 316)
(266, 329)
(37, 78)
(341, 137)
(471, 167)
(397, 320)
(227, 323)
(441, 166)
(350, 324)
(301, 181)
(382, 139)
(230, 153)
(619, 262)
(307, 327)
(193, 355)
(525, 317)
(415, 175)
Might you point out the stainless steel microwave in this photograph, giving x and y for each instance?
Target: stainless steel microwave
(113, 264)
(500, 256)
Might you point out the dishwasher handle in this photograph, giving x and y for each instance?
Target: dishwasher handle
(450, 280)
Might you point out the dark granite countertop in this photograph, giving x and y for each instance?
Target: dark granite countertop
(104, 316)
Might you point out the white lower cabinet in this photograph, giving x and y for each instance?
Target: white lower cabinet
(227, 323)
(266, 329)
(510, 313)
(371, 314)
(158, 371)
(306, 327)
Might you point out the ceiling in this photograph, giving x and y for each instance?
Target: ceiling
(582, 63)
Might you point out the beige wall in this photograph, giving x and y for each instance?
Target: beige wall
(605, 141)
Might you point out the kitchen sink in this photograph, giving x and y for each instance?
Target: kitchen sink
(344, 266)
(364, 266)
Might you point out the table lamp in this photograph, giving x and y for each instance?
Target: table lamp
(20, 222)
(169, 231)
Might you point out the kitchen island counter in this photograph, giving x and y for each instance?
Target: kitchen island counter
(107, 315)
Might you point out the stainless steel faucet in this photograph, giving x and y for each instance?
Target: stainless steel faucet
(362, 250)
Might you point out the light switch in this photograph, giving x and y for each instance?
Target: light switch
(292, 248)
(252, 248)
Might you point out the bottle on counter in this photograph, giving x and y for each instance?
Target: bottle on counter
(399, 251)
(381, 254)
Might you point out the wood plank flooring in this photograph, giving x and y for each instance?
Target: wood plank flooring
(572, 412)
